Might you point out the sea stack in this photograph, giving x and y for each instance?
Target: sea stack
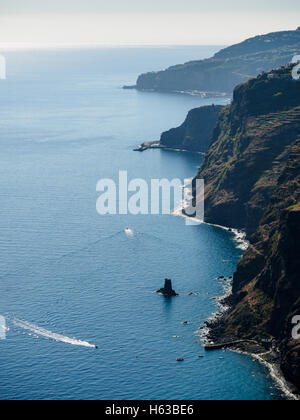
(168, 290)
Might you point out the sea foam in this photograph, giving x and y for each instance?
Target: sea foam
(51, 335)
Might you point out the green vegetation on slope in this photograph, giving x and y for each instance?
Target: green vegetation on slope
(252, 175)
(229, 67)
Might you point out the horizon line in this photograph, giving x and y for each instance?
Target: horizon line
(22, 46)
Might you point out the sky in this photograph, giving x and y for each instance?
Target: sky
(141, 22)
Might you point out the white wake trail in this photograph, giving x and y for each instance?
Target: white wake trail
(48, 334)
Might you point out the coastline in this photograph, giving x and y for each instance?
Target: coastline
(240, 236)
(157, 145)
(211, 333)
(208, 333)
(200, 93)
(277, 375)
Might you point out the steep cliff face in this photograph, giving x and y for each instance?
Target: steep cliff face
(270, 268)
(267, 285)
(195, 134)
(228, 68)
(250, 145)
(252, 174)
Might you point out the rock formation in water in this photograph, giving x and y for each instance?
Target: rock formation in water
(167, 290)
(228, 68)
(195, 134)
(252, 175)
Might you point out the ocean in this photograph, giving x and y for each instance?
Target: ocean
(71, 279)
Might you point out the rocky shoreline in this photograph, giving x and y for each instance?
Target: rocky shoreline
(148, 145)
(252, 182)
(193, 135)
(213, 333)
(157, 145)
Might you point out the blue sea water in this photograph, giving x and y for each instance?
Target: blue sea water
(66, 123)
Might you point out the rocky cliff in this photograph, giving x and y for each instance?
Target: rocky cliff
(228, 68)
(252, 174)
(195, 134)
(250, 146)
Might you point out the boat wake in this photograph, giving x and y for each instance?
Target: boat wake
(50, 335)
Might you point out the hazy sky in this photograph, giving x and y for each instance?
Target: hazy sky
(143, 22)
